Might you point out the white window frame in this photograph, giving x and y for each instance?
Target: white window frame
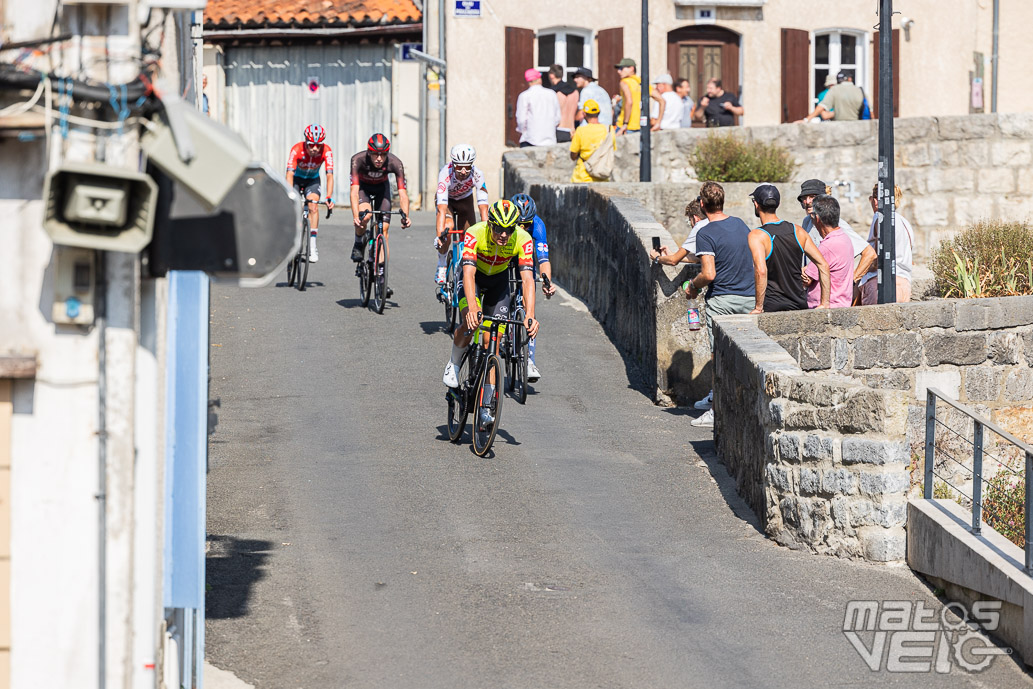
(835, 64)
(561, 33)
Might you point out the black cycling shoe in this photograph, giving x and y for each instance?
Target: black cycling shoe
(389, 292)
(357, 252)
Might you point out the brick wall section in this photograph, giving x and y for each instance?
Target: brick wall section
(820, 459)
(952, 170)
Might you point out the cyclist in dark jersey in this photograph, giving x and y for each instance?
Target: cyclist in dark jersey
(371, 188)
(778, 248)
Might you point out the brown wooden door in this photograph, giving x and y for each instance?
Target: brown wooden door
(795, 74)
(873, 102)
(519, 56)
(702, 53)
(610, 46)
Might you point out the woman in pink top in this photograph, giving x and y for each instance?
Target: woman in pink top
(838, 250)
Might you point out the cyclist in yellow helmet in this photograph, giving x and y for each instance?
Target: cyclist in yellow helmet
(488, 248)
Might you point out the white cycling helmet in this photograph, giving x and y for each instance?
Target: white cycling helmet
(463, 154)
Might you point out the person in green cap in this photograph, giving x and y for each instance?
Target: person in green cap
(630, 97)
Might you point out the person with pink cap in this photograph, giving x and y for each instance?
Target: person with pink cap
(537, 112)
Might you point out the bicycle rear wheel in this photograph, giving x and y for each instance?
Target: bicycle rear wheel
(379, 275)
(484, 436)
(459, 400)
(518, 386)
(451, 310)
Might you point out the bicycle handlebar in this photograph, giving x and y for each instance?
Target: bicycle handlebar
(363, 214)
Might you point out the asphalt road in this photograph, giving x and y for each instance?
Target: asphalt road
(351, 545)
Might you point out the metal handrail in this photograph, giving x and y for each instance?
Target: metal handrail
(979, 425)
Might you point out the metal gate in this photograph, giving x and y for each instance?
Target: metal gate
(269, 100)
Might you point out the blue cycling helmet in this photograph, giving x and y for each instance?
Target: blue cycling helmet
(526, 206)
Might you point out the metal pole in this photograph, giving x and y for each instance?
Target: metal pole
(442, 121)
(1029, 513)
(994, 58)
(887, 240)
(423, 119)
(102, 467)
(645, 158)
(977, 476)
(930, 436)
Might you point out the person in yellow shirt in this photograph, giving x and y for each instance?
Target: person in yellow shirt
(586, 140)
(630, 96)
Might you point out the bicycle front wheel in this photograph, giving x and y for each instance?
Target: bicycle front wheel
(519, 364)
(365, 275)
(303, 258)
(459, 400)
(451, 298)
(488, 409)
(380, 275)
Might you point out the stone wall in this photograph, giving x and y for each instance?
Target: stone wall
(824, 406)
(599, 242)
(952, 170)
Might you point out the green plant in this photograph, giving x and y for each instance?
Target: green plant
(728, 158)
(1004, 499)
(990, 259)
(941, 491)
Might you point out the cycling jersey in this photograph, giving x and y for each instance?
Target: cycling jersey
(363, 171)
(306, 166)
(450, 188)
(481, 250)
(541, 244)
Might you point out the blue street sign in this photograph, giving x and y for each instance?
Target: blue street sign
(468, 8)
(406, 47)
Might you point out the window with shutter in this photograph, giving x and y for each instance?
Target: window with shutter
(519, 56)
(795, 51)
(610, 43)
(874, 101)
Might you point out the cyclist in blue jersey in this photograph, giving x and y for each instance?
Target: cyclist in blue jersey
(535, 226)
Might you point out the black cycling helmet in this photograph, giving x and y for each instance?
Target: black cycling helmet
(525, 204)
(378, 143)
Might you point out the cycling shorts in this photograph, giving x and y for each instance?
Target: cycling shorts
(376, 195)
(465, 212)
(492, 293)
(308, 186)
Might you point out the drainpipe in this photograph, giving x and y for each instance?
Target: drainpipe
(423, 115)
(994, 59)
(441, 86)
(102, 466)
(645, 169)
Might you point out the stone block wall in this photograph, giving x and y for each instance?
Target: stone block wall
(953, 170)
(821, 459)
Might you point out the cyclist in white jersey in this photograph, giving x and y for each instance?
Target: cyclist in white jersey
(460, 184)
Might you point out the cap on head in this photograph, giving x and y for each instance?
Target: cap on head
(841, 76)
(591, 107)
(830, 80)
(584, 72)
(532, 74)
(664, 79)
(766, 196)
(812, 187)
(626, 62)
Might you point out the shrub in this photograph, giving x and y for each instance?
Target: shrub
(1004, 505)
(726, 158)
(991, 259)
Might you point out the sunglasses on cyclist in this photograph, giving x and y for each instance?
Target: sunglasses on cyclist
(463, 168)
(502, 231)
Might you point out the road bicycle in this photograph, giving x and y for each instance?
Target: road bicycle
(479, 366)
(515, 341)
(372, 269)
(297, 268)
(448, 293)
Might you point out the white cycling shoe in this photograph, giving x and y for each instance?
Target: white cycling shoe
(313, 252)
(450, 378)
(705, 403)
(705, 421)
(439, 276)
(533, 374)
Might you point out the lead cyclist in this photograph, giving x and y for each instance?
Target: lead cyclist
(535, 226)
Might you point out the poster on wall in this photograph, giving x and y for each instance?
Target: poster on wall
(468, 8)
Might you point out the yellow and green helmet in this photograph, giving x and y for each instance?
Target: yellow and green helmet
(503, 214)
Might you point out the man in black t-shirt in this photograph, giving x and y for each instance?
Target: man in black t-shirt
(718, 108)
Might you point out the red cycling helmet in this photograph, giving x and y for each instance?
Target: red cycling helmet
(378, 143)
(314, 134)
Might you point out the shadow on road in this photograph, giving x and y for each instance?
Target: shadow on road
(433, 327)
(309, 283)
(726, 483)
(232, 567)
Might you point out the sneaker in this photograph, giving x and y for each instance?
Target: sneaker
(705, 421)
(485, 419)
(450, 378)
(357, 251)
(707, 402)
(439, 276)
(313, 252)
(533, 374)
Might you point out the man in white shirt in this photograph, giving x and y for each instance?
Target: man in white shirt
(666, 109)
(537, 112)
(591, 90)
(810, 190)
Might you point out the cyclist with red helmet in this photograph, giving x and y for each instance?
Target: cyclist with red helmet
(303, 165)
(371, 190)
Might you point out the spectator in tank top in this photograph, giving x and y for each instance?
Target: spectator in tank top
(778, 248)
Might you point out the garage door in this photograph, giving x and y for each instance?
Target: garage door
(270, 102)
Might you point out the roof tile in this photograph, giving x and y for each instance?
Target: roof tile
(308, 13)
